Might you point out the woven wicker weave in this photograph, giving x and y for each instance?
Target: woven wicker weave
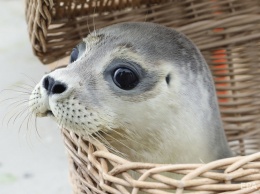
(95, 170)
(55, 26)
(228, 34)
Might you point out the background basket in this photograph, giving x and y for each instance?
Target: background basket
(228, 35)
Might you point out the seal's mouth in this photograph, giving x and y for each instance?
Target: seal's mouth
(49, 113)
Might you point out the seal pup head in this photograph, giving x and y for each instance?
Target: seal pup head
(142, 89)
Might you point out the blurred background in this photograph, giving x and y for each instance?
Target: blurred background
(30, 163)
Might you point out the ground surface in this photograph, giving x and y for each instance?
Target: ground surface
(29, 163)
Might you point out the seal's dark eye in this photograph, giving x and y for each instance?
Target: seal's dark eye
(74, 54)
(125, 78)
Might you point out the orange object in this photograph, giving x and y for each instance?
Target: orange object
(219, 57)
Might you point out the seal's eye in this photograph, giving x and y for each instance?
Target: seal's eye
(74, 54)
(125, 78)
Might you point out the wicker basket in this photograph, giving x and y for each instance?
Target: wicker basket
(228, 34)
(95, 170)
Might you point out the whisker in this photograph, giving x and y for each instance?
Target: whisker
(25, 87)
(120, 142)
(17, 115)
(29, 117)
(21, 102)
(93, 19)
(12, 107)
(36, 127)
(109, 147)
(30, 120)
(99, 140)
(146, 14)
(16, 99)
(18, 91)
(30, 78)
(89, 31)
(24, 120)
(8, 113)
(60, 123)
(130, 139)
(28, 138)
(12, 99)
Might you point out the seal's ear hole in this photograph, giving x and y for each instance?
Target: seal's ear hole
(168, 79)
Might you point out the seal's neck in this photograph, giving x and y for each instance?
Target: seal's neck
(187, 132)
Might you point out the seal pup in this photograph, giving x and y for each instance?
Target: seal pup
(143, 90)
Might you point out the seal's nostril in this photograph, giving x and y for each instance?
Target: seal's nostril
(52, 86)
(46, 83)
(58, 88)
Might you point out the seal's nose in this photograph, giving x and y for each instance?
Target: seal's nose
(53, 87)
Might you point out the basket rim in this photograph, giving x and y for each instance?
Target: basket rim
(87, 153)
